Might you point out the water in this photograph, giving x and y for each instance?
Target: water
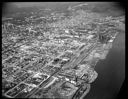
(111, 72)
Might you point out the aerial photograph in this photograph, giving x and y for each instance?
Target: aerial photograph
(63, 50)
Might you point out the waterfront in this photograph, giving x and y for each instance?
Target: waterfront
(49, 48)
(111, 72)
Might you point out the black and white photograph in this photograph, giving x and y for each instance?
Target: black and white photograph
(63, 50)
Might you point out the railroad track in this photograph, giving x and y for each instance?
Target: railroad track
(85, 53)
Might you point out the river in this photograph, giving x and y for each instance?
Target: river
(111, 72)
